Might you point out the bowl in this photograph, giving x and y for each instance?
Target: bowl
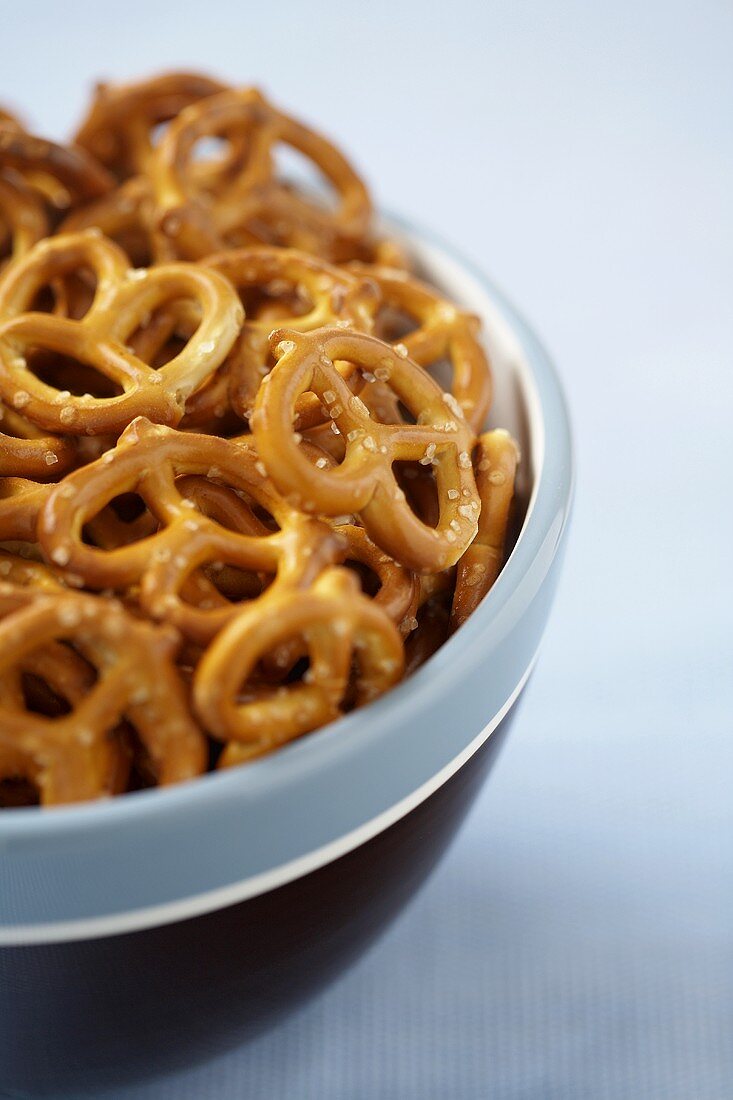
(152, 930)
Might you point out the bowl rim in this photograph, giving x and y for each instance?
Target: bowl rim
(551, 496)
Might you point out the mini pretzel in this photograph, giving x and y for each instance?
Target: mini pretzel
(118, 129)
(251, 201)
(336, 623)
(495, 463)
(147, 460)
(123, 300)
(364, 482)
(74, 756)
(442, 332)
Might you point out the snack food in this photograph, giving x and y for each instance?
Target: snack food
(243, 488)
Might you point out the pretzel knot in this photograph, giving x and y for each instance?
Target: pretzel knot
(211, 527)
(337, 624)
(241, 200)
(119, 667)
(364, 482)
(122, 303)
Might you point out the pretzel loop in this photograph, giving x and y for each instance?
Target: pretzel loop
(149, 460)
(365, 482)
(122, 301)
(336, 622)
(72, 757)
(248, 198)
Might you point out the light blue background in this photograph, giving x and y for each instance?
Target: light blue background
(576, 943)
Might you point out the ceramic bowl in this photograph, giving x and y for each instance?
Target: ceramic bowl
(154, 929)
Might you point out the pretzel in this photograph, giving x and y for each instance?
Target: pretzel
(147, 460)
(336, 622)
(250, 203)
(122, 301)
(73, 756)
(364, 482)
(440, 332)
(120, 124)
(496, 463)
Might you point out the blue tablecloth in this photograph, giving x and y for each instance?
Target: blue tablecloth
(576, 943)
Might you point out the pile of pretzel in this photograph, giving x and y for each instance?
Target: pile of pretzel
(237, 502)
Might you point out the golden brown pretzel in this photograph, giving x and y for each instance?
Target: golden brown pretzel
(74, 756)
(337, 623)
(495, 462)
(248, 202)
(364, 482)
(120, 124)
(123, 299)
(439, 332)
(147, 460)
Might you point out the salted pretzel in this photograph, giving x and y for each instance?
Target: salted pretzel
(119, 128)
(75, 756)
(123, 300)
(249, 202)
(147, 460)
(438, 332)
(337, 623)
(365, 482)
(495, 463)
